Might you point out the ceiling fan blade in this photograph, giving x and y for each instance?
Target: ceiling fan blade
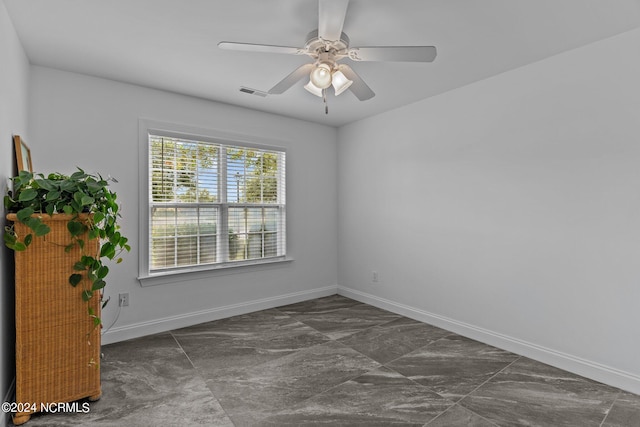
(331, 14)
(393, 53)
(358, 87)
(265, 48)
(291, 79)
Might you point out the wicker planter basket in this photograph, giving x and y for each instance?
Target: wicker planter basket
(57, 347)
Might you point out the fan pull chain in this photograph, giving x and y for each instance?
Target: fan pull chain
(324, 98)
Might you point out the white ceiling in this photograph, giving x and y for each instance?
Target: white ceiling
(171, 44)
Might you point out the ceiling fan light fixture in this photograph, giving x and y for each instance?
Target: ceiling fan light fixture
(313, 89)
(340, 82)
(321, 76)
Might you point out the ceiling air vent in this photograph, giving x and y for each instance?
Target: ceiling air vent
(253, 91)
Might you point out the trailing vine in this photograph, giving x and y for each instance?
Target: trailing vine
(94, 213)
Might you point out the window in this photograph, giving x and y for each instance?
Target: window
(213, 204)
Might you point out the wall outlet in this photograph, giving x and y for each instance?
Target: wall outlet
(375, 277)
(123, 300)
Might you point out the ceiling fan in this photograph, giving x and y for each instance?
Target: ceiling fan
(327, 46)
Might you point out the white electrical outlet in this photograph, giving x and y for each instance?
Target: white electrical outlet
(123, 300)
(375, 277)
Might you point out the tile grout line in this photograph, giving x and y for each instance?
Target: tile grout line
(419, 348)
(182, 349)
(461, 407)
(472, 391)
(336, 385)
(323, 391)
(336, 340)
(294, 316)
(422, 385)
(454, 403)
(200, 376)
(490, 378)
(610, 408)
(410, 379)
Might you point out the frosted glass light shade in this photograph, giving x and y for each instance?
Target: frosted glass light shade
(340, 82)
(313, 89)
(321, 76)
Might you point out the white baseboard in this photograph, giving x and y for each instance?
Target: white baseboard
(570, 363)
(165, 324)
(8, 397)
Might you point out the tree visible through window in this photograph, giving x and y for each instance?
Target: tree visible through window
(213, 203)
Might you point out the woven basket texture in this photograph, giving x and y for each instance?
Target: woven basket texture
(57, 346)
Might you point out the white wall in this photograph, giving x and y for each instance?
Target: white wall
(14, 80)
(508, 210)
(93, 123)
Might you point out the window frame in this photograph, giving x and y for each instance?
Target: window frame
(148, 277)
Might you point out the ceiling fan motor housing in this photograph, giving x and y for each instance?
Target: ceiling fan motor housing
(316, 45)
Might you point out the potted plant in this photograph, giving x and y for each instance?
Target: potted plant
(62, 227)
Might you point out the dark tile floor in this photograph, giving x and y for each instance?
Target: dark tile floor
(335, 361)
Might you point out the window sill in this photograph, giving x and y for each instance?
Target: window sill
(195, 273)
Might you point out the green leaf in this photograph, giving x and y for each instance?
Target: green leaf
(9, 236)
(67, 209)
(93, 185)
(27, 239)
(8, 202)
(52, 195)
(24, 214)
(106, 249)
(25, 176)
(115, 238)
(87, 295)
(98, 284)
(94, 233)
(75, 228)
(79, 266)
(102, 272)
(19, 246)
(87, 201)
(87, 261)
(96, 321)
(11, 241)
(76, 206)
(74, 279)
(98, 217)
(81, 243)
(77, 197)
(79, 175)
(33, 222)
(67, 186)
(27, 195)
(46, 184)
(42, 229)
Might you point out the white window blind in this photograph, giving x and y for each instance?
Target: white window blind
(212, 203)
